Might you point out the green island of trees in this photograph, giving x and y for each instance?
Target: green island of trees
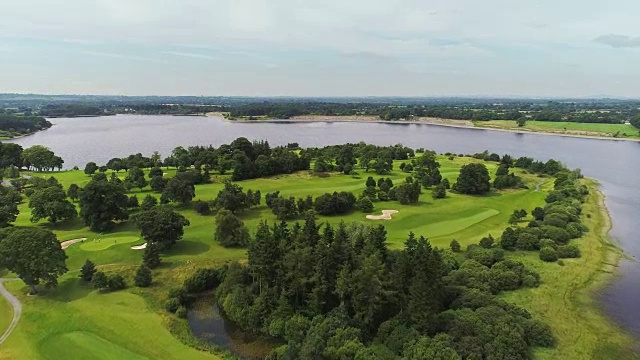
(487, 257)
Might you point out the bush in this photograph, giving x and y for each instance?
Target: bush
(99, 280)
(202, 207)
(548, 254)
(172, 305)
(116, 282)
(181, 312)
(487, 242)
(143, 276)
(568, 251)
(365, 204)
(454, 245)
(439, 192)
(202, 280)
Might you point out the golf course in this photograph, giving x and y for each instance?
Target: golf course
(75, 321)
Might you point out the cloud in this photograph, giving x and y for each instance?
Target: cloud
(618, 41)
(192, 55)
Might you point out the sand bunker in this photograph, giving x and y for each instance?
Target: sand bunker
(139, 247)
(66, 244)
(386, 215)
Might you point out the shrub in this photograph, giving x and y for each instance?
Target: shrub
(439, 192)
(365, 204)
(116, 282)
(454, 245)
(172, 305)
(202, 280)
(568, 251)
(143, 276)
(181, 312)
(487, 242)
(99, 280)
(202, 207)
(548, 254)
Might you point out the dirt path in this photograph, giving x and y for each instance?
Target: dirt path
(66, 244)
(17, 309)
(538, 186)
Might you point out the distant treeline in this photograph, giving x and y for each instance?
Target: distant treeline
(386, 108)
(13, 125)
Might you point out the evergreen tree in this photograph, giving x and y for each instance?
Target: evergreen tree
(143, 276)
(151, 256)
(87, 271)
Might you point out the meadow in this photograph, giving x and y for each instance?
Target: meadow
(132, 323)
(564, 127)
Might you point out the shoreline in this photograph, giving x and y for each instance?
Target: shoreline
(465, 124)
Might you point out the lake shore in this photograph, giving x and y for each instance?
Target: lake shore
(464, 124)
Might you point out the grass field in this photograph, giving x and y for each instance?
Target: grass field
(6, 314)
(565, 301)
(563, 127)
(132, 323)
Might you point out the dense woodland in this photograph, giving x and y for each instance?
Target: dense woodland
(572, 110)
(13, 125)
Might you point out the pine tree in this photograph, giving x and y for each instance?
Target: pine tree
(151, 257)
(143, 276)
(87, 271)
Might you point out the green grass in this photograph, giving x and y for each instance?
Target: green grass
(6, 314)
(133, 324)
(565, 299)
(74, 322)
(563, 127)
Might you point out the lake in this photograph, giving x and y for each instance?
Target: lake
(616, 164)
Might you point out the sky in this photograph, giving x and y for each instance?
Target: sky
(542, 48)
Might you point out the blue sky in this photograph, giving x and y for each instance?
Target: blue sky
(321, 48)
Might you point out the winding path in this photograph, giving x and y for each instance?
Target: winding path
(17, 309)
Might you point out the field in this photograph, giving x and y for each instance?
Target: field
(132, 323)
(568, 128)
(6, 313)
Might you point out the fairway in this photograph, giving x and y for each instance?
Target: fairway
(86, 345)
(100, 243)
(565, 127)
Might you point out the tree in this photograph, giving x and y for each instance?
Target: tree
(116, 282)
(439, 192)
(101, 203)
(135, 178)
(521, 121)
(8, 208)
(148, 202)
(155, 171)
(230, 230)
(35, 255)
(41, 158)
(87, 271)
(548, 254)
(99, 280)
(143, 276)
(178, 190)
(232, 198)
(73, 192)
(454, 245)
(51, 203)
(90, 168)
(160, 225)
(151, 256)
(158, 183)
(365, 204)
(473, 179)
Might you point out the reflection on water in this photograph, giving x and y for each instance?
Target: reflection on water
(616, 164)
(209, 325)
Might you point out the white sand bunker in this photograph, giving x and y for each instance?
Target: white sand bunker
(66, 244)
(386, 215)
(139, 247)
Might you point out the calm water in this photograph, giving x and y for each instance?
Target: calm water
(616, 164)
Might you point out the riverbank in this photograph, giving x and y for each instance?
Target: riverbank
(567, 297)
(464, 124)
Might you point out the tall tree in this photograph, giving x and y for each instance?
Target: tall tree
(161, 226)
(102, 203)
(35, 255)
(51, 203)
(230, 230)
(473, 179)
(178, 190)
